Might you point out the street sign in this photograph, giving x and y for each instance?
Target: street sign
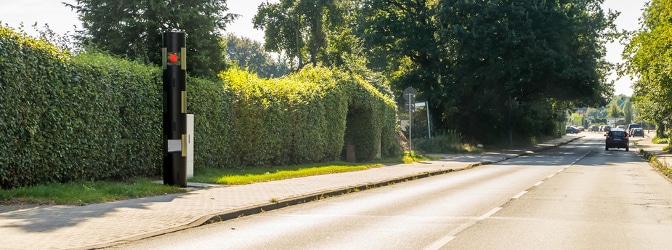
(409, 94)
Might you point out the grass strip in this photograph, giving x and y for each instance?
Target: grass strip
(82, 193)
(263, 174)
(248, 176)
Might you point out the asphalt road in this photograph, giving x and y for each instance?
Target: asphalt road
(577, 196)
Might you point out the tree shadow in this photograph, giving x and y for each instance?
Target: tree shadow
(47, 218)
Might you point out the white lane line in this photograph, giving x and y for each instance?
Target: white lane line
(583, 156)
(451, 236)
(440, 243)
(488, 214)
(519, 195)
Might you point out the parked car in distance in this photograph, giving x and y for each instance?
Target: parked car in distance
(571, 130)
(606, 128)
(594, 128)
(632, 126)
(617, 138)
(637, 132)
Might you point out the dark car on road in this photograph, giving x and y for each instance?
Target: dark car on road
(637, 132)
(617, 138)
(571, 130)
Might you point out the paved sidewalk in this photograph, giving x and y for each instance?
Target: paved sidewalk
(108, 224)
(655, 149)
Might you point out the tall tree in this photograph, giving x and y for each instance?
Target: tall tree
(648, 57)
(592, 113)
(134, 28)
(528, 51)
(474, 60)
(247, 53)
(309, 31)
(614, 111)
(627, 112)
(400, 39)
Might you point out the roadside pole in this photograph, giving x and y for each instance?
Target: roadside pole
(409, 95)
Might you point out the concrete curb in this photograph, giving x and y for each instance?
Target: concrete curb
(273, 205)
(662, 167)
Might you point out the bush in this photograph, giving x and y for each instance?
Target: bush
(449, 142)
(660, 140)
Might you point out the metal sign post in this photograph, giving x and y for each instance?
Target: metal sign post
(429, 129)
(409, 95)
(174, 108)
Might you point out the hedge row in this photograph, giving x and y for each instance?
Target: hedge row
(81, 118)
(301, 118)
(93, 117)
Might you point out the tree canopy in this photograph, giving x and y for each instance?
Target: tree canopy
(133, 29)
(310, 31)
(474, 59)
(247, 53)
(648, 57)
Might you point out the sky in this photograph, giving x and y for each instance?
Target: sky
(62, 20)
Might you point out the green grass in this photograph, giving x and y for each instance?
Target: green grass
(252, 175)
(412, 156)
(82, 193)
(660, 140)
(263, 174)
(88, 192)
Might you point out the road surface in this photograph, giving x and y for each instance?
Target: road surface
(577, 196)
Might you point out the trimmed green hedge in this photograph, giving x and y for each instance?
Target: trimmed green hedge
(94, 117)
(82, 118)
(301, 118)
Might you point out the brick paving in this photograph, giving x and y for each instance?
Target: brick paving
(108, 224)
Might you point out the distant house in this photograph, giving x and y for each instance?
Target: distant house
(615, 121)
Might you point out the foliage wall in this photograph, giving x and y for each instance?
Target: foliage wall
(82, 118)
(93, 117)
(300, 118)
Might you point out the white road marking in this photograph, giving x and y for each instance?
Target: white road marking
(453, 234)
(488, 214)
(519, 195)
(440, 243)
(448, 238)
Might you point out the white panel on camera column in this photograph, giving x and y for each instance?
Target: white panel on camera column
(190, 146)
